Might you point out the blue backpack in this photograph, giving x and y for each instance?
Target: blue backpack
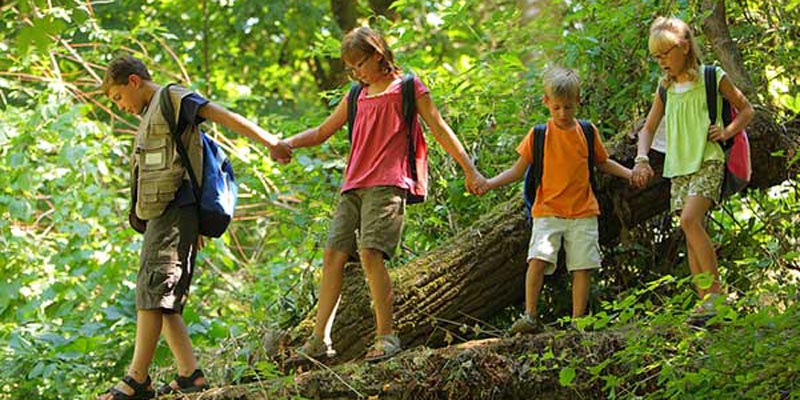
(218, 192)
(533, 175)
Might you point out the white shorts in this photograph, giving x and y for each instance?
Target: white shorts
(581, 242)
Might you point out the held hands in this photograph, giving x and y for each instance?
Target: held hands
(482, 189)
(475, 181)
(641, 174)
(281, 152)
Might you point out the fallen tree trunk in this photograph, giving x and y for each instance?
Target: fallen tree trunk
(484, 369)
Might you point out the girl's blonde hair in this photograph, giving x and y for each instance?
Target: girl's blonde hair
(363, 42)
(666, 32)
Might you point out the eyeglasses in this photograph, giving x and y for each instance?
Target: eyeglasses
(353, 69)
(662, 55)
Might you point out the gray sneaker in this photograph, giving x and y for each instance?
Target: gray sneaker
(527, 325)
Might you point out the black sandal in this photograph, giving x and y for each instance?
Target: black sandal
(141, 391)
(185, 384)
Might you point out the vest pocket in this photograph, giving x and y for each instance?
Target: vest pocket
(157, 191)
(153, 154)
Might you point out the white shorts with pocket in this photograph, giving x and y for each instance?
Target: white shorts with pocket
(581, 242)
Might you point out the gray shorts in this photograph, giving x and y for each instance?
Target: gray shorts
(368, 218)
(581, 242)
(167, 260)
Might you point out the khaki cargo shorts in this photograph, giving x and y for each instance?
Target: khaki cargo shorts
(706, 182)
(368, 218)
(581, 242)
(167, 260)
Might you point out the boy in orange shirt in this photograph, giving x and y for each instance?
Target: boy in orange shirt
(565, 206)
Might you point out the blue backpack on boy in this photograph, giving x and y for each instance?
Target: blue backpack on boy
(533, 175)
(218, 192)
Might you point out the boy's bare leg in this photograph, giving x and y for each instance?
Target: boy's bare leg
(380, 287)
(580, 291)
(534, 279)
(179, 342)
(333, 262)
(697, 239)
(148, 330)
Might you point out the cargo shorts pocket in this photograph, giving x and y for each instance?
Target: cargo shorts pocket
(163, 278)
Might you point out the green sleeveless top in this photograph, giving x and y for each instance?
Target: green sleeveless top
(687, 125)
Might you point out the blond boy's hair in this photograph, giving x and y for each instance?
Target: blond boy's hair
(120, 68)
(670, 31)
(562, 83)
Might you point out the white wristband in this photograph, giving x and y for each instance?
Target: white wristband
(641, 159)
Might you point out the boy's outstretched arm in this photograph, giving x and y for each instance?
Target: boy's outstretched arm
(614, 168)
(445, 136)
(241, 125)
(321, 133)
(513, 174)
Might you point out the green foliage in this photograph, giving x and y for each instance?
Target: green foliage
(69, 260)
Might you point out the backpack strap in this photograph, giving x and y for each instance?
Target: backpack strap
(710, 77)
(168, 112)
(662, 93)
(352, 108)
(409, 92)
(533, 175)
(588, 133)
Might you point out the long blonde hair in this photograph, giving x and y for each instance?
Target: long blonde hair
(666, 32)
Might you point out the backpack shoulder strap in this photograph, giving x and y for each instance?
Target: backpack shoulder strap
(539, 133)
(352, 108)
(409, 92)
(710, 78)
(662, 93)
(588, 133)
(168, 112)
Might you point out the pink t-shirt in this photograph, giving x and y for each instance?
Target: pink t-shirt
(379, 150)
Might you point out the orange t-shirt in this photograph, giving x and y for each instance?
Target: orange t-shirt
(565, 190)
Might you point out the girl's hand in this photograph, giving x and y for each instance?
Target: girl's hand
(717, 134)
(642, 173)
(474, 181)
(281, 152)
(483, 188)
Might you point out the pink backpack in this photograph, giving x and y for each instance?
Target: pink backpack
(738, 169)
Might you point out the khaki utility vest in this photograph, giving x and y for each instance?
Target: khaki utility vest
(157, 171)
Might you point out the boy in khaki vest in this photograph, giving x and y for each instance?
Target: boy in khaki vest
(165, 210)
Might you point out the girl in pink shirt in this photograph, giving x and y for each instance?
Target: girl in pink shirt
(377, 182)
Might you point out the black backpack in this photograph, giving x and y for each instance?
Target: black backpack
(409, 116)
(533, 175)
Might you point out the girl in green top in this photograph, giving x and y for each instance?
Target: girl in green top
(694, 160)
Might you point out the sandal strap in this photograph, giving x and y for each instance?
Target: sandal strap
(185, 382)
(136, 386)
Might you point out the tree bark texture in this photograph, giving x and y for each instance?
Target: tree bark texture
(483, 369)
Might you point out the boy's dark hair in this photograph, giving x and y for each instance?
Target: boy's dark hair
(120, 68)
(364, 41)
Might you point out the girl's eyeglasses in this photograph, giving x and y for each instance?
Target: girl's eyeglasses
(662, 55)
(358, 65)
